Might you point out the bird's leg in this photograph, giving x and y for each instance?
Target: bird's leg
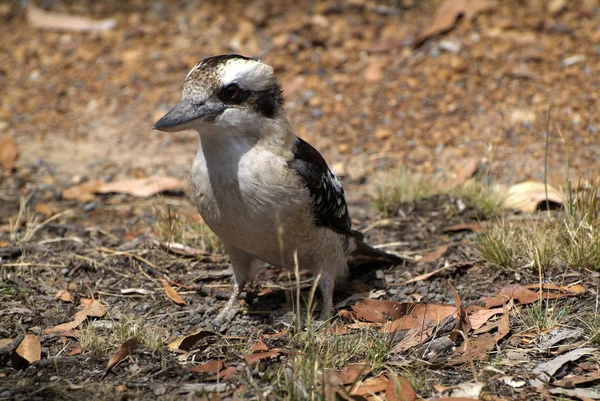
(240, 263)
(326, 285)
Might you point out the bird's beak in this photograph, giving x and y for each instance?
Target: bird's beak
(184, 114)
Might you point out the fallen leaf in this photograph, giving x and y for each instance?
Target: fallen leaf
(30, 350)
(8, 153)
(575, 288)
(465, 171)
(351, 373)
(377, 311)
(49, 20)
(480, 317)
(530, 196)
(141, 187)
(544, 371)
(213, 366)
(331, 384)
(123, 352)
(399, 389)
(226, 374)
(416, 336)
(573, 380)
(171, 293)
(434, 256)
(187, 342)
(447, 14)
(475, 226)
(259, 356)
(417, 314)
(370, 386)
(583, 394)
(5, 342)
(374, 70)
(524, 295)
(94, 309)
(64, 296)
(556, 6)
(258, 347)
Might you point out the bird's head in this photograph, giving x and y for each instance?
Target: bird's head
(229, 91)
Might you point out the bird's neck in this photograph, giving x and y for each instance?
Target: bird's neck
(272, 135)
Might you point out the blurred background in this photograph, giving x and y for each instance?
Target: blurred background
(429, 85)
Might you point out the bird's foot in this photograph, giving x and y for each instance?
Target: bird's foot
(224, 319)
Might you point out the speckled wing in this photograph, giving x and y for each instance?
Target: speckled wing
(326, 192)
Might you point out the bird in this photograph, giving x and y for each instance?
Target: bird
(265, 192)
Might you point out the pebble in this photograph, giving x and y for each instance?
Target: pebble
(196, 319)
(379, 274)
(6, 394)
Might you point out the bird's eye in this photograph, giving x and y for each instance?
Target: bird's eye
(231, 93)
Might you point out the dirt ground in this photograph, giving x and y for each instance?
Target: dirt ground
(359, 86)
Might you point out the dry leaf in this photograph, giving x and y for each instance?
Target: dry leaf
(574, 289)
(525, 296)
(171, 293)
(425, 276)
(94, 308)
(30, 350)
(416, 336)
(5, 342)
(43, 19)
(417, 314)
(142, 187)
(253, 358)
(374, 310)
(187, 342)
(530, 196)
(213, 366)
(374, 71)
(351, 373)
(475, 226)
(225, 374)
(480, 317)
(64, 296)
(465, 171)
(8, 153)
(573, 380)
(448, 12)
(123, 352)
(544, 371)
(258, 347)
(331, 384)
(370, 386)
(434, 256)
(399, 389)
(75, 351)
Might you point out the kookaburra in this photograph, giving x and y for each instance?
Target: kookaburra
(266, 193)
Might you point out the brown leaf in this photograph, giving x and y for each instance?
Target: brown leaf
(524, 295)
(573, 380)
(30, 350)
(213, 366)
(480, 317)
(351, 373)
(417, 313)
(226, 374)
(94, 308)
(434, 256)
(48, 20)
(254, 358)
(142, 187)
(5, 342)
(416, 336)
(123, 352)
(331, 384)
(258, 347)
(399, 389)
(374, 71)
(448, 12)
(187, 342)
(8, 153)
(370, 386)
(64, 296)
(465, 171)
(530, 196)
(171, 293)
(374, 310)
(475, 226)
(574, 289)
(75, 351)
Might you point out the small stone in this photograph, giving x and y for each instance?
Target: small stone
(379, 274)
(569, 61)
